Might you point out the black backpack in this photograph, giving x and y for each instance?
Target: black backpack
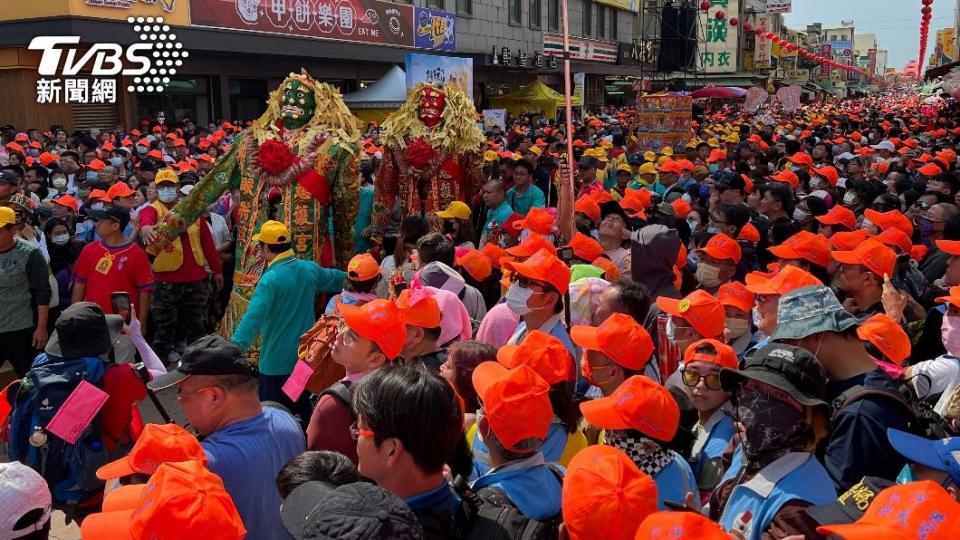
(488, 514)
(340, 391)
(923, 420)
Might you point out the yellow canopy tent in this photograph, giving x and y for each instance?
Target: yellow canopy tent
(534, 97)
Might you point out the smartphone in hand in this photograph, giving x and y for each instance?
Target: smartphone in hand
(120, 302)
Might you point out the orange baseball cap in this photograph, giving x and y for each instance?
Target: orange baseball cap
(839, 215)
(735, 294)
(725, 357)
(538, 220)
(871, 254)
(97, 195)
(96, 165)
(585, 247)
(418, 308)
(494, 253)
(804, 245)
(363, 267)
(610, 271)
(515, 402)
(953, 298)
(722, 247)
(669, 524)
(703, 312)
(846, 241)
(545, 267)
(47, 158)
(119, 190)
(801, 158)
(644, 196)
(829, 172)
(671, 166)
(379, 321)
(475, 263)
(789, 278)
(930, 170)
(634, 207)
(530, 245)
(180, 496)
(605, 495)
(951, 247)
(620, 338)
(588, 207)
(716, 155)
(902, 511)
(157, 444)
(682, 208)
(155, 154)
(892, 218)
(544, 354)
(67, 200)
(894, 237)
(640, 404)
(788, 177)
(887, 336)
(749, 233)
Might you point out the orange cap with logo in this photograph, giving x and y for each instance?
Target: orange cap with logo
(639, 403)
(887, 336)
(725, 356)
(620, 338)
(892, 218)
(418, 308)
(475, 263)
(735, 294)
(585, 247)
(871, 254)
(787, 176)
(545, 267)
(530, 245)
(669, 524)
(516, 403)
(904, 511)
(538, 220)
(363, 267)
(181, 497)
(806, 246)
(789, 278)
(157, 444)
(379, 321)
(722, 247)
(544, 354)
(846, 241)
(703, 311)
(605, 495)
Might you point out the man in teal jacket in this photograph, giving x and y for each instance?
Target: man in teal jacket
(281, 310)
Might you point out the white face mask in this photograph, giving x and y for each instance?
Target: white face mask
(59, 182)
(167, 194)
(849, 198)
(799, 215)
(708, 275)
(817, 183)
(96, 206)
(950, 333)
(60, 239)
(517, 297)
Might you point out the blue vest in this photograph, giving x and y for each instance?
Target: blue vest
(753, 504)
(529, 484)
(674, 482)
(551, 449)
(717, 441)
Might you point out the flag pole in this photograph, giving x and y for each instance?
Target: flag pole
(566, 90)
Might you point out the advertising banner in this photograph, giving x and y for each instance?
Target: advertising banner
(629, 5)
(872, 61)
(579, 79)
(174, 12)
(439, 70)
(357, 21)
(826, 50)
(764, 47)
(779, 6)
(494, 117)
(718, 40)
(663, 120)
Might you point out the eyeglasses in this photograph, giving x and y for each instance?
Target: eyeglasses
(357, 433)
(524, 281)
(347, 335)
(692, 379)
(922, 205)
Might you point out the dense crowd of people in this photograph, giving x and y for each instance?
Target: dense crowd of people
(753, 334)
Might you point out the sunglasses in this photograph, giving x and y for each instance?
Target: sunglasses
(692, 379)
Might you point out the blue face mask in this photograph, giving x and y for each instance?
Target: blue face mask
(714, 167)
(92, 175)
(141, 149)
(712, 230)
(116, 161)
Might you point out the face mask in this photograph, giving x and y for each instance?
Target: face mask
(141, 150)
(713, 230)
(167, 194)
(714, 167)
(693, 224)
(708, 275)
(517, 297)
(773, 427)
(92, 176)
(587, 372)
(926, 230)
(96, 206)
(950, 334)
(59, 182)
(83, 193)
(448, 227)
(116, 161)
(849, 198)
(60, 239)
(736, 327)
(799, 215)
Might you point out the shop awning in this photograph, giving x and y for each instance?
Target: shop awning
(388, 93)
(534, 97)
(740, 78)
(939, 71)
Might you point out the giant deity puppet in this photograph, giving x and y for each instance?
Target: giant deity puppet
(431, 156)
(306, 144)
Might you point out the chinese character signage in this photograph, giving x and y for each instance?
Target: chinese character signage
(663, 120)
(826, 50)
(629, 5)
(872, 61)
(580, 49)
(779, 6)
(440, 70)
(358, 21)
(717, 40)
(763, 47)
(175, 12)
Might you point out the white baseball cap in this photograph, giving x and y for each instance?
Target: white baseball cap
(22, 490)
(884, 145)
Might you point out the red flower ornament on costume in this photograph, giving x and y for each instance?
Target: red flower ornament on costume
(274, 156)
(419, 153)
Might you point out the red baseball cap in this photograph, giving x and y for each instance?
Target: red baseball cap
(605, 495)
(725, 357)
(722, 247)
(475, 263)
(544, 354)
(839, 215)
(671, 166)
(789, 278)
(681, 207)
(749, 233)
(494, 253)
(953, 298)
(545, 267)
(157, 444)
(951, 247)
(930, 170)
(639, 403)
(806, 246)
(516, 403)
(587, 206)
(620, 338)
(379, 321)
(703, 311)
(872, 255)
(119, 190)
(67, 200)
(735, 294)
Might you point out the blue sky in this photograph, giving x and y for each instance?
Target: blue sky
(895, 22)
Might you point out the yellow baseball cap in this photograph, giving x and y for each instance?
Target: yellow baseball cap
(647, 168)
(625, 168)
(7, 216)
(650, 155)
(166, 175)
(713, 142)
(272, 232)
(535, 150)
(455, 210)
(490, 155)
(667, 151)
(732, 138)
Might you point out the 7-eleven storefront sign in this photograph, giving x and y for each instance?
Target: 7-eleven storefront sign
(581, 49)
